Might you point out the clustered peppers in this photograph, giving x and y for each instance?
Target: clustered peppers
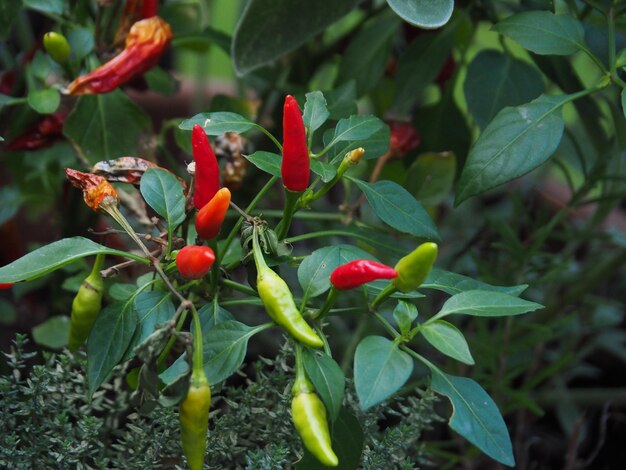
(359, 272)
(296, 165)
(86, 306)
(145, 43)
(194, 262)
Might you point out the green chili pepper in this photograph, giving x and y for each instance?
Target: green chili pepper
(413, 269)
(86, 306)
(57, 46)
(194, 409)
(279, 303)
(309, 417)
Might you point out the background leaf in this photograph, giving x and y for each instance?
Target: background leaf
(447, 338)
(44, 101)
(431, 177)
(453, 283)
(152, 309)
(218, 123)
(164, 193)
(315, 111)
(404, 314)
(423, 13)
(486, 304)
(517, 141)
(328, 379)
(380, 369)
(475, 416)
(53, 333)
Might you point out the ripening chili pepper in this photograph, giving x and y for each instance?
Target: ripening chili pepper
(43, 134)
(194, 262)
(296, 165)
(413, 269)
(145, 43)
(207, 174)
(4, 286)
(278, 301)
(210, 218)
(359, 272)
(309, 417)
(404, 138)
(57, 47)
(194, 409)
(86, 306)
(97, 191)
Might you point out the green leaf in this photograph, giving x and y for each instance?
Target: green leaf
(315, 269)
(623, 95)
(430, 178)
(152, 308)
(375, 145)
(41, 66)
(420, 65)
(269, 29)
(53, 333)
(486, 304)
(475, 416)
(121, 292)
(328, 379)
(10, 203)
(201, 42)
(211, 315)
(347, 443)
(81, 42)
(9, 11)
(8, 313)
(219, 123)
(342, 100)
(366, 57)
(164, 193)
(326, 171)
(423, 13)
(54, 7)
(44, 101)
(315, 111)
(447, 339)
(160, 80)
(405, 314)
(266, 161)
(6, 100)
(106, 126)
(496, 80)
(108, 340)
(357, 128)
(398, 208)
(225, 348)
(51, 257)
(380, 369)
(453, 283)
(543, 32)
(516, 142)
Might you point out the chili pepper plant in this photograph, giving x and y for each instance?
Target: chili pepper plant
(301, 224)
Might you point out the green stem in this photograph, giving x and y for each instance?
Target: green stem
(291, 206)
(238, 286)
(386, 292)
(271, 137)
(328, 304)
(302, 383)
(259, 259)
(390, 329)
(198, 358)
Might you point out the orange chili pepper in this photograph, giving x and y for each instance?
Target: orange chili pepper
(97, 191)
(145, 43)
(209, 219)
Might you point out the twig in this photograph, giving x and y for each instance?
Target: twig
(115, 270)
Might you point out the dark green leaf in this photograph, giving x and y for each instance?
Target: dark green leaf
(315, 111)
(517, 141)
(495, 80)
(269, 29)
(366, 57)
(10, 203)
(423, 13)
(543, 32)
(266, 161)
(315, 269)
(44, 101)
(430, 178)
(453, 283)
(219, 123)
(475, 416)
(211, 315)
(404, 314)
(50, 257)
(201, 42)
(486, 304)
(380, 369)
(108, 341)
(326, 171)
(357, 128)
(122, 291)
(152, 308)
(107, 126)
(342, 100)
(53, 333)
(54, 7)
(448, 339)
(81, 42)
(9, 10)
(6, 100)
(164, 193)
(41, 66)
(398, 208)
(225, 348)
(328, 380)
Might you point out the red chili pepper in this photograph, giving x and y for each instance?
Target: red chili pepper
(96, 189)
(194, 262)
(145, 43)
(207, 170)
(43, 134)
(150, 8)
(296, 165)
(5, 286)
(210, 218)
(404, 138)
(359, 272)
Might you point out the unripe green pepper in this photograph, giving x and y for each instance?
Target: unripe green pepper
(57, 46)
(86, 306)
(413, 269)
(309, 417)
(279, 303)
